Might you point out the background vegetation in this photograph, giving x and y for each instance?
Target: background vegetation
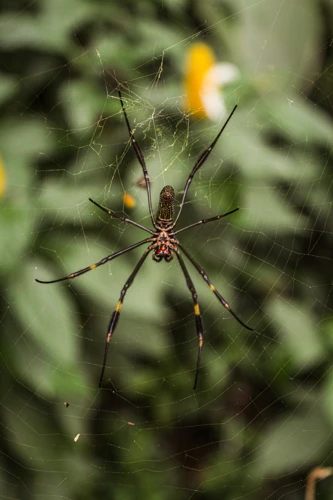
(262, 415)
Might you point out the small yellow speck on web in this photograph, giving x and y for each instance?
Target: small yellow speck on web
(76, 437)
(196, 309)
(128, 200)
(2, 178)
(200, 59)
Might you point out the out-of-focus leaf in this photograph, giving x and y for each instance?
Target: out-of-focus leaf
(44, 314)
(49, 29)
(298, 120)
(298, 332)
(41, 371)
(70, 202)
(319, 198)
(8, 86)
(163, 34)
(107, 47)
(263, 209)
(15, 234)
(291, 442)
(266, 36)
(245, 146)
(33, 140)
(141, 339)
(31, 433)
(85, 104)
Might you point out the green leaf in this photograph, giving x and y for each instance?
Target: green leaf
(41, 371)
(8, 86)
(246, 145)
(45, 314)
(32, 433)
(263, 209)
(48, 29)
(85, 103)
(299, 121)
(298, 332)
(16, 232)
(292, 441)
(141, 339)
(273, 37)
(33, 140)
(69, 202)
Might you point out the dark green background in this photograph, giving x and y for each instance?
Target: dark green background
(262, 414)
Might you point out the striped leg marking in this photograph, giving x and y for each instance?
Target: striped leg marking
(116, 312)
(140, 157)
(197, 315)
(212, 287)
(100, 263)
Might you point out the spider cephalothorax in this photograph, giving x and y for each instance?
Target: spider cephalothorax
(162, 243)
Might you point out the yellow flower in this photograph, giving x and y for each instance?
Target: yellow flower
(2, 178)
(203, 82)
(128, 200)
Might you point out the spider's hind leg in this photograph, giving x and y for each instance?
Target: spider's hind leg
(213, 289)
(197, 315)
(116, 312)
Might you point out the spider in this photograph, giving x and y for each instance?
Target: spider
(163, 244)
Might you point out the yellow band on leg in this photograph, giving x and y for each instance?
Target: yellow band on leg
(196, 309)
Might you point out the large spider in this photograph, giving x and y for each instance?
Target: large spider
(162, 243)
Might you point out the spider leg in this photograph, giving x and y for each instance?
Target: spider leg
(212, 287)
(100, 263)
(140, 157)
(204, 221)
(124, 219)
(116, 312)
(200, 162)
(197, 315)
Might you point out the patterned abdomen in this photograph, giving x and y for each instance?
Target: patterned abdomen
(166, 205)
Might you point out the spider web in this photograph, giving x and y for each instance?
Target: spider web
(261, 416)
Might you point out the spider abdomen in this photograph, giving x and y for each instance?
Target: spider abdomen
(165, 210)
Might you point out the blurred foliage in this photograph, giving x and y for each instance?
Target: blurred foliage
(262, 415)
